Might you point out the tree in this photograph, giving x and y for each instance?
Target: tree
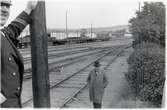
(149, 24)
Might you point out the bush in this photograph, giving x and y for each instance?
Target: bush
(146, 73)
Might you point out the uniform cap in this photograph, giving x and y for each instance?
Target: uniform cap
(6, 1)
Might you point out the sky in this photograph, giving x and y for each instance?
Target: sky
(83, 13)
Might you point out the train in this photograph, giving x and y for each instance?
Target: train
(62, 37)
(24, 42)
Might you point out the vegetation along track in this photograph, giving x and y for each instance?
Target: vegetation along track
(63, 90)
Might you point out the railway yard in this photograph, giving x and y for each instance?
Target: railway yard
(81, 56)
(69, 66)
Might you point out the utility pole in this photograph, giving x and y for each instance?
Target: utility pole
(91, 31)
(140, 39)
(40, 75)
(66, 25)
(139, 6)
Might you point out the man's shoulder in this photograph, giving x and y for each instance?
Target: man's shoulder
(92, 70)
(3, 35)
(102, 70)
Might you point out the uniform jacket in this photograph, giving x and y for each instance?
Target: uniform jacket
(12, 67)
(97, 83)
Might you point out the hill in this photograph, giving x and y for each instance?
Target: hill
(96, 29)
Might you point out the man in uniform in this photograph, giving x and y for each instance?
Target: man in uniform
(12, 67)
(97, 81)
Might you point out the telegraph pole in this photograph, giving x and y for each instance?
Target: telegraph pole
(40, 76)
(139, 6)
(91, 31)
(66, 25)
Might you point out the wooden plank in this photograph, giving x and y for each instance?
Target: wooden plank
(40, 76)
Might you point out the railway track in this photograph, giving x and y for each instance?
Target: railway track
(106, 60)
(63, 56)
(28, 83)
(66, 88)
(52, 53)
(65, 47)
(27, 52)
(64, 62)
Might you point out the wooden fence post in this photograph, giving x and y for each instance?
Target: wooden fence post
(40, 76)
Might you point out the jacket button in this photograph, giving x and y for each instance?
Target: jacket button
(18, 88)
(10, 59)
(14, 74)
